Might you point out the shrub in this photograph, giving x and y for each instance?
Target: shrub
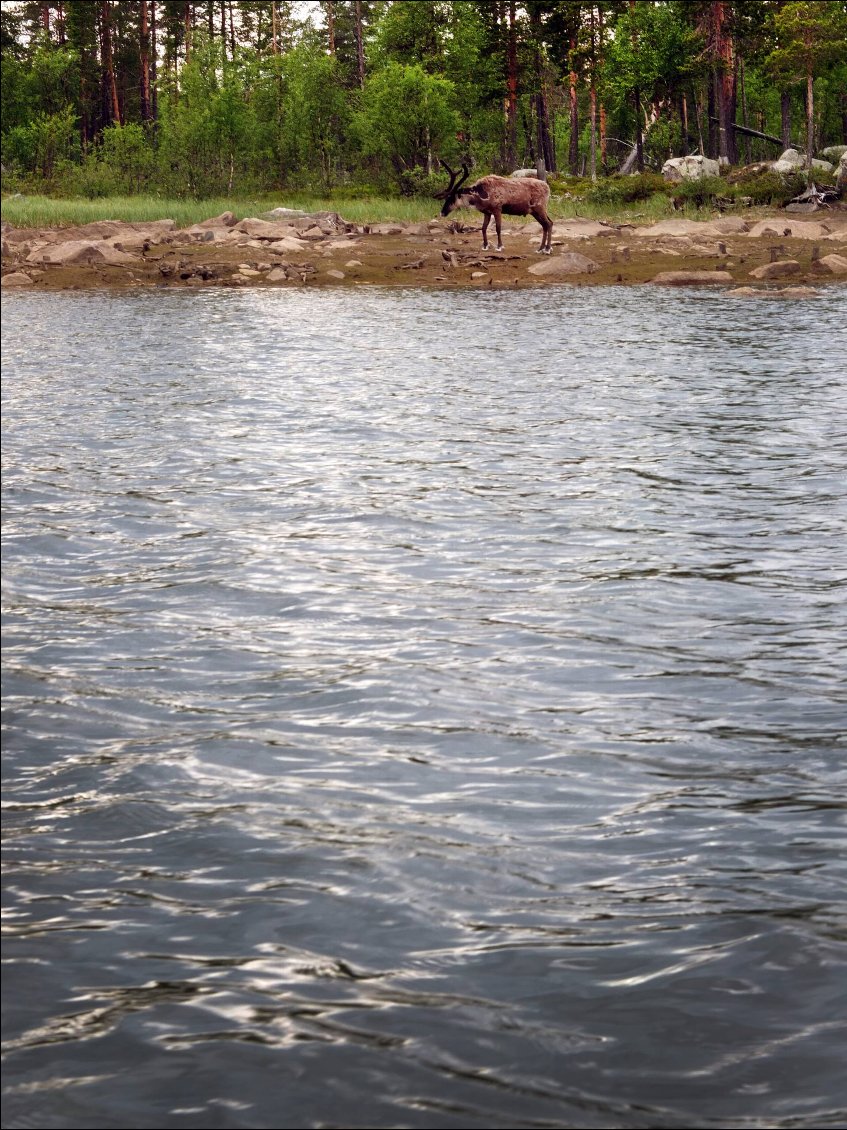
(770, 187)
(625, 190)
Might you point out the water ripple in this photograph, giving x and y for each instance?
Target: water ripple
(424, 710)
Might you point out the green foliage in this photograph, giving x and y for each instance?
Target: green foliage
(701, 192)
(625, 190)
(768, 188)
(313, 117)
(650, 50)
(418, 182)
(406, 117)
(126, 151)
(42, 144)
(283, 111)
(809, 36)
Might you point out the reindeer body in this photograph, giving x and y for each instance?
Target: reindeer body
(493, 196)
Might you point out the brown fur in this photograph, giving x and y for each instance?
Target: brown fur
(493, 196)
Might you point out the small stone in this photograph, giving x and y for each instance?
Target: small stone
(333, 274)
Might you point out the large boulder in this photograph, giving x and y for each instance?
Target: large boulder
(830, 265)
(695, 167)
(792, 161)
(782, 269)
(560, 266)
(841, 175)
(224, 220)
(263, 229)
(834, 153)
(16, 278)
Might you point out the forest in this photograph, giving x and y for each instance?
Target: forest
(194, 99)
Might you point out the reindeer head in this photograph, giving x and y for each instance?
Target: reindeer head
(451, 195)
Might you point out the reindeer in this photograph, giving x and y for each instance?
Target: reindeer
(493, 196)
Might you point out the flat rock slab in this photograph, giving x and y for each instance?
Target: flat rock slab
(117, 229)
(578, 229)
(783, 292)
(793, 229)
(290, 243)
(560, 266)
(16, 278)
(264, 229)
(691, 278)
(78, 251)
(727, 226)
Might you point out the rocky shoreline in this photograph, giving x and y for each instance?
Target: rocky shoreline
(775, 255)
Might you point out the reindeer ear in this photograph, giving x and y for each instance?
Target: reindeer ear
(478, 190)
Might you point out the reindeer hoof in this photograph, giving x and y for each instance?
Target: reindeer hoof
(499, 247)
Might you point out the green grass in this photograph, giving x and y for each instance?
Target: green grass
(50, 212)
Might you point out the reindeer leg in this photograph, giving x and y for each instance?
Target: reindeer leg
(485, 223)
(547, 230)
(497, 218)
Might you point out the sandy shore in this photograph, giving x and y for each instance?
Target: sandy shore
(776, 252)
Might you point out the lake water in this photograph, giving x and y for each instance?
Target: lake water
(424, 709)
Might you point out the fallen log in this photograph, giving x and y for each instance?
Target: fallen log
(757, 133)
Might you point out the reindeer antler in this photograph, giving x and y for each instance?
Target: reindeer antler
(454, 183)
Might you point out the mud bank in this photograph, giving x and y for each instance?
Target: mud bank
(776, 254)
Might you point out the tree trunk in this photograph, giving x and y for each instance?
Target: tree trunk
(511, 89)
(712, 117)
(186, 19)
(639, 134)
(636, 97)
(330, 26)
(360, 44)
(274, 43)
(748, 152)
(573, 145)
(810, 121)
(154, 86)
(145, 65)
(785, 113)
(108, 63)
(632, 159)
(725, 82)
(542, 117)
(697, 120)
(602, 45)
